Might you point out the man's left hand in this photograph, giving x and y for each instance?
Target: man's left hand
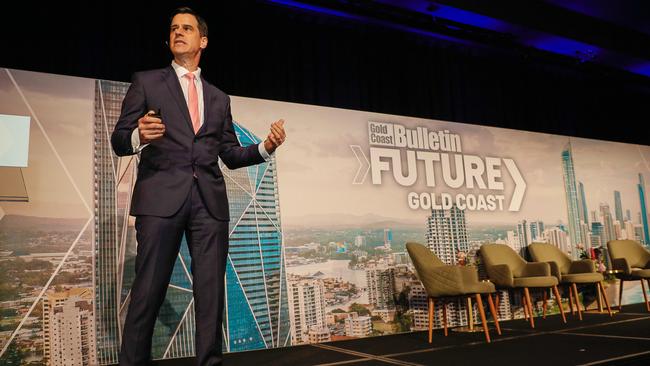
(276, 137)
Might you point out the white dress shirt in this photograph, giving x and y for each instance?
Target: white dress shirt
(180, 72)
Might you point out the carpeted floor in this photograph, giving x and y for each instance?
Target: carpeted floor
(598, 339)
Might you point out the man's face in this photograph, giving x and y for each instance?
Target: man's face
(184, 35)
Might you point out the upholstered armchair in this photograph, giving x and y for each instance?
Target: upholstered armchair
(443, 281)
(569, 273)
(631, 262)
(507, 270)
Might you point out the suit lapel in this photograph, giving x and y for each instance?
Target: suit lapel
(174, 87)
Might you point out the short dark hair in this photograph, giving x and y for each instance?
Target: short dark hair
(203, 26)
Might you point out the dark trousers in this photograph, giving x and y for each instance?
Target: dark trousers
(159, 240)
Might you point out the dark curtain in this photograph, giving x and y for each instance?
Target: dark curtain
(265, 51)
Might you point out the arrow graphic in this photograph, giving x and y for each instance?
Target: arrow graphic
(364, 165)
(520, 185)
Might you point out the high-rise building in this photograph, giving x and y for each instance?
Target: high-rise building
(524, 235)
(536, 230)
(447, 234)
(256, 313)
(598, 238)
(558, 238)
(638, 233)
(618, 230)
(381, 287)
(388, 238)
(110, 233)
(618, 207)
(571, 196)
(359, 240)
(306, 309)
(418, 303)
(644, 210)
(447, 237)
(629, 230)
(583, 203)
(608, 223)
(594, 216)
(628, 215)
(69, 328)
(512, 240)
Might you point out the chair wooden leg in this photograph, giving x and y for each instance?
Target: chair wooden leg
(481, 312)
(431, 310)
(530, 307)
(444, 316)
(573, 312)
(496, 299)
(620, 296)
(602, 291)
(558, 299)
(599, 299)
(577, 297)
(645, 296)
(495, 315)
(544, 304)
(523, 303)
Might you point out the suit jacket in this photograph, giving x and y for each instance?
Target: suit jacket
(167, 165)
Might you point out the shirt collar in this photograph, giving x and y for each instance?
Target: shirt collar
(180, 70)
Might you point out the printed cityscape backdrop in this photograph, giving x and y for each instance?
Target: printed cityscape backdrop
(313, 256)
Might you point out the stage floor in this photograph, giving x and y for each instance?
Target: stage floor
(598, 339)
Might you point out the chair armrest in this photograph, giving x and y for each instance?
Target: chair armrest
(500, 275)
(621, 265)
(582, 266)
(535, 269)
(555, 271)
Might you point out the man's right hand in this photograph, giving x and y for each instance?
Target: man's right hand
(150, 128)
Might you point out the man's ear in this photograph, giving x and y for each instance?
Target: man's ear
(204, 42)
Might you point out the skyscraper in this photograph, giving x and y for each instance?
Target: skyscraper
(69, 328)
(256, 313)
(608, 223)
(618, 207)
(571, 195)
(524, 235)
(447, 234)
(557, 237)
(381, 287)
(644, 210)
(583, 204)
(598, 238)
(447, 237)
(388, 238)
(306, 309)
(536, 229)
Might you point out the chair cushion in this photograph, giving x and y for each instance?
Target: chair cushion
(538, 281)
(641, 273)
(582, 278)
(480, 287)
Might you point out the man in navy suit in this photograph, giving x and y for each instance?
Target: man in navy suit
(181, 125)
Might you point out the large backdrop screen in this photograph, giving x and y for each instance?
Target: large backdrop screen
(317, 234)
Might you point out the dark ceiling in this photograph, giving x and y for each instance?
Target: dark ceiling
(614, 33)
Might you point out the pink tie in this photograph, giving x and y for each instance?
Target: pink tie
(193, 102)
